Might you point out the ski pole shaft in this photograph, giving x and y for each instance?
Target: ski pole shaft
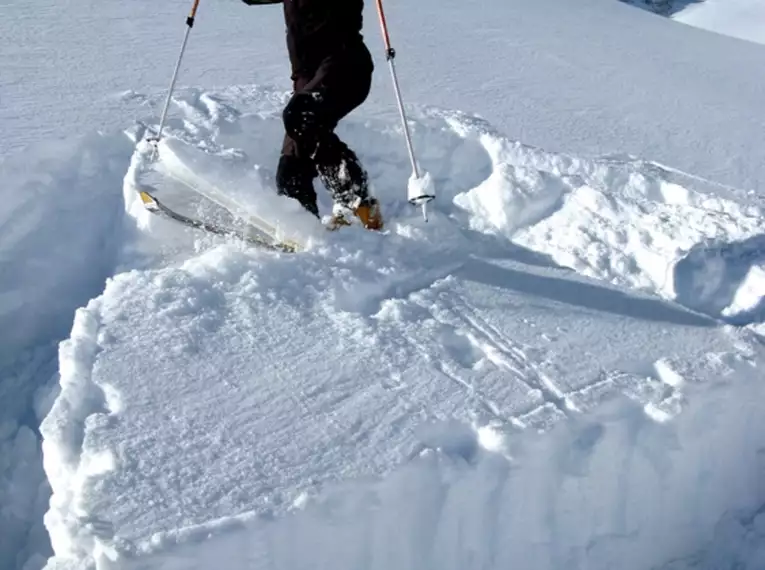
(189, 25)
(383, 26)
(390, 55)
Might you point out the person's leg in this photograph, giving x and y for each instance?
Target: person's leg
(341, 84)
(295, 174)
(341, 171)
(309, 120)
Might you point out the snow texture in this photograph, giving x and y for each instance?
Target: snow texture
(594, 78)
(737, 18)
(561, 369)
(48, 266)
(288, 407)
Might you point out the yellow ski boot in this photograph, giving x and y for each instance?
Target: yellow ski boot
(368, 213)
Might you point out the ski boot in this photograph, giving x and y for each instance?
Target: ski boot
(368, 212)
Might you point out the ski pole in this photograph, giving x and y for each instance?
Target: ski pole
(420, 189)
(189, 25)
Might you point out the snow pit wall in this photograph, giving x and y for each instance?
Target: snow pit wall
(59, 220)
(614, 489)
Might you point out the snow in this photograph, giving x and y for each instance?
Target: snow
(737, 18)
(59, 232)
(47, 273)
(630, 223)
(562, 367)
(21, 494)
(611, 491)
(603, 78)
(442, 360)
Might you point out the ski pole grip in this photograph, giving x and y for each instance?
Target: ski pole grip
(192, 15)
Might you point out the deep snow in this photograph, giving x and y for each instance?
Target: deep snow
(603, 78)
(59, 234)
(429, 357)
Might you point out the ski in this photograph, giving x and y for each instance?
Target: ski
(187, 177)
(153, 205)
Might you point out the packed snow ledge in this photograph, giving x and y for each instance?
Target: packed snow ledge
(562, 369)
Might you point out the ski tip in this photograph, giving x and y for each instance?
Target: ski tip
(290, 246)
(148, 200)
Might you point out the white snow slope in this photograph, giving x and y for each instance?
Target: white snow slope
(562, 369)
(743, 19)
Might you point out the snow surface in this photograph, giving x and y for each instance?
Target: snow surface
(249, 396)
(599, 78)
(59, 234)
(743, 19)
(376, 400)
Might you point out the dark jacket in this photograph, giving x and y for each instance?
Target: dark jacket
(318, 29)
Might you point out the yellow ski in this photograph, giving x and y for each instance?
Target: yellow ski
(153, 205)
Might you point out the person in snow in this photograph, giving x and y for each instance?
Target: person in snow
(332, 75)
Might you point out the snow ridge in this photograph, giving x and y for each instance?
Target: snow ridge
(629, 222)
(81, 407)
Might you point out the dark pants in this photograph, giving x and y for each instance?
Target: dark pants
(311, 148)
